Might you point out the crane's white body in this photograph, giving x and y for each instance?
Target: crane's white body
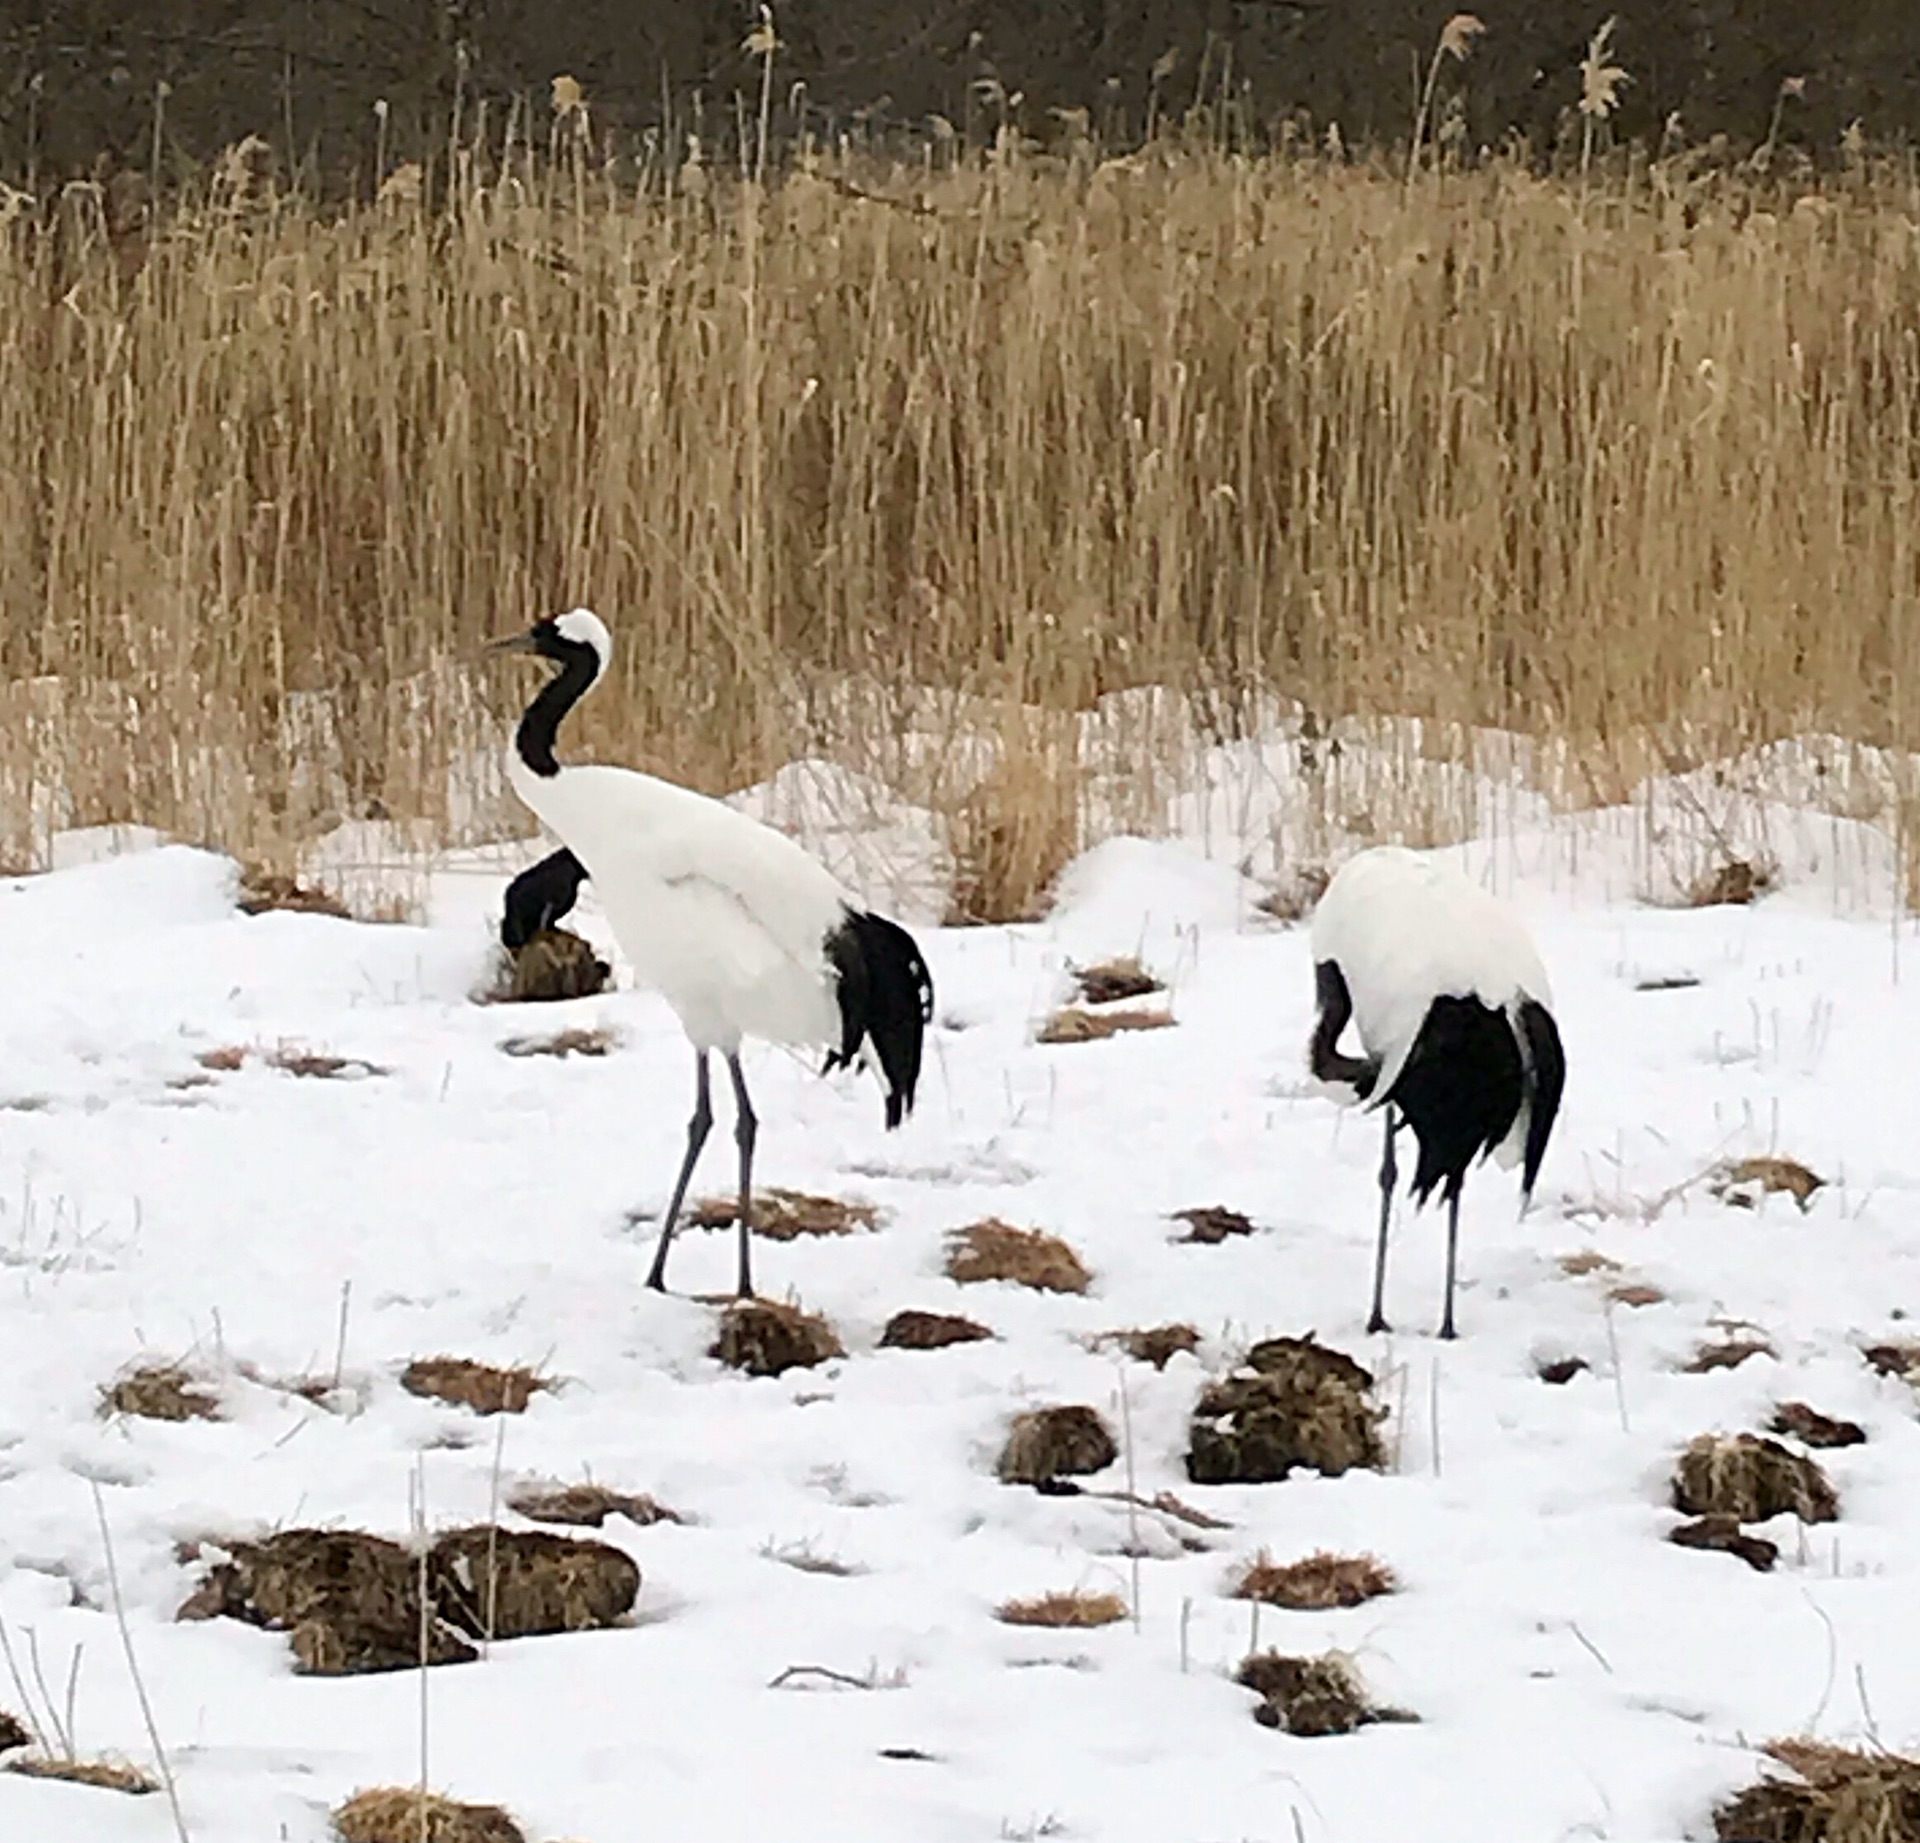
(1405, 930)
(726, 918)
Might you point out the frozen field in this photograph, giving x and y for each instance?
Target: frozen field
(1575, 1674)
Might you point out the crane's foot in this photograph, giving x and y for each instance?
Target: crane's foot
(1378, 1322)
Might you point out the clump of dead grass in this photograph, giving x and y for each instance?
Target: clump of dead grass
(1558, 1370)
(1736, 882)
(766, 1337)
(264, 891)
(1295, 1403)
(391, 1814)
(555, 965)
(1724, 1535)
(1898, 1358)
(1836, 1795)
(350, 1602)
(1078, 1609)
(320, 1065)
(1798, 1421)
(1072, 1024)
(1728, 1353)
(1296, 896)
(785, 1215)
(1155, 1344)
(587, 1505)
(1311, 1695)
(996, 1250)
(1583, 1261)
(1750, 1478)
(462, 1382)
(1209, 1224)
(102, 1775)
(1315, 1583)
(1742, 1182)
(13, 1733)
(1107, 982)
(1020, 825)
(160, 1392)
(912, 1330)
(574, 1041)
(1044, 1444)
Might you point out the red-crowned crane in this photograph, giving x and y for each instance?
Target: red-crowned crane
(739, 929)
(1456, 1029)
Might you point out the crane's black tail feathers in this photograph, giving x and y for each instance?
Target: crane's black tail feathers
(886, 999)
(1460, 1090)
(538, 897)
(1546, 1079)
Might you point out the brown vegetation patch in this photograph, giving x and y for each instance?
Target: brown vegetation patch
(1900, 1360)
(1736, 883)
(483, 1387)
(1315, 1583)
(262, 891)
(1636, 1293)
(350, 1602)
(1810, 1427)
(160, 1392)
(1071, 1024)
(1561, 1369)
(1155, 1344)
(804, 1558)
(1048, 1443)
(1014, 833)
(563, 1043)
(1109, 981)
(588, 1506)
(555, 964)
(1077, 1609)
(1730, 1353)
(930, 1331)
(104, 1775)
(224, 1060)
(1583, 1261)
(765, 1337)
(1837, 1795)
(1294, 899)
(1311, 1695)
(1741, 1182)
(1750, 1479)
(1211, 1223)
(1296, 1403)
(785, 1215)
(388, 1814)
(12, 1733)
(996, 1250)
(1725, 1534)
(319, 1065)
(527, 1583)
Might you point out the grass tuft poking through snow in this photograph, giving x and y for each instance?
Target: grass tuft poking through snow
(462, 1382)
(160, 1392)
(1078, 1609)
(389, 1814)
(1045, 1444)
(996, 1250)
(766, 1337)
(1750, 1479)
(1316, 1582)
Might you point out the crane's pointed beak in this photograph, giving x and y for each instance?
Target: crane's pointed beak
(510, 643)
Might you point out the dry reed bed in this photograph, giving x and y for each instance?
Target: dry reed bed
(1610, 461)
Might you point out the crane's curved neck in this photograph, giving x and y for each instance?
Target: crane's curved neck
(538, 727)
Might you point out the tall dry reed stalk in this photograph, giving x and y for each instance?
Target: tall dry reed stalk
(1633, 459)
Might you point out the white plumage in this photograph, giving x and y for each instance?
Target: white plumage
(1454, 1013)
(742, 932)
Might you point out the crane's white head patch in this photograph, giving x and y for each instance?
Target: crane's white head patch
(585, 628)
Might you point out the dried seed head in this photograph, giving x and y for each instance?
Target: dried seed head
(762, 41)
(567, 95)
(1458, 34)
(1601, 80)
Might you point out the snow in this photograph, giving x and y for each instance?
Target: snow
(1575, 1674)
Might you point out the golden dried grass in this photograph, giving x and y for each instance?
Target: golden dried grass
(102, 1775)
(1315, 1582)
(157, 1391)
(996, 1250)
(1078, 1610)
(463, 1382)
(1072, 1024)
(392, 1814)
(1557, 472)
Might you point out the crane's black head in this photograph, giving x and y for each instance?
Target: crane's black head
(576, 639)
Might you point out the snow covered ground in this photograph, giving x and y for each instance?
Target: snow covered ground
(1575, 1675)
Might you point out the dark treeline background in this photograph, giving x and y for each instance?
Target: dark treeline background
(79, 79)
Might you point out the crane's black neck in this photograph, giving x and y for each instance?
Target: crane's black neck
(538, 727)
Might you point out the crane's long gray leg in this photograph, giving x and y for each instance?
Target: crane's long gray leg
(1453, 1242)
(697, 1130)
(746, 1126)
(1389, 1176)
